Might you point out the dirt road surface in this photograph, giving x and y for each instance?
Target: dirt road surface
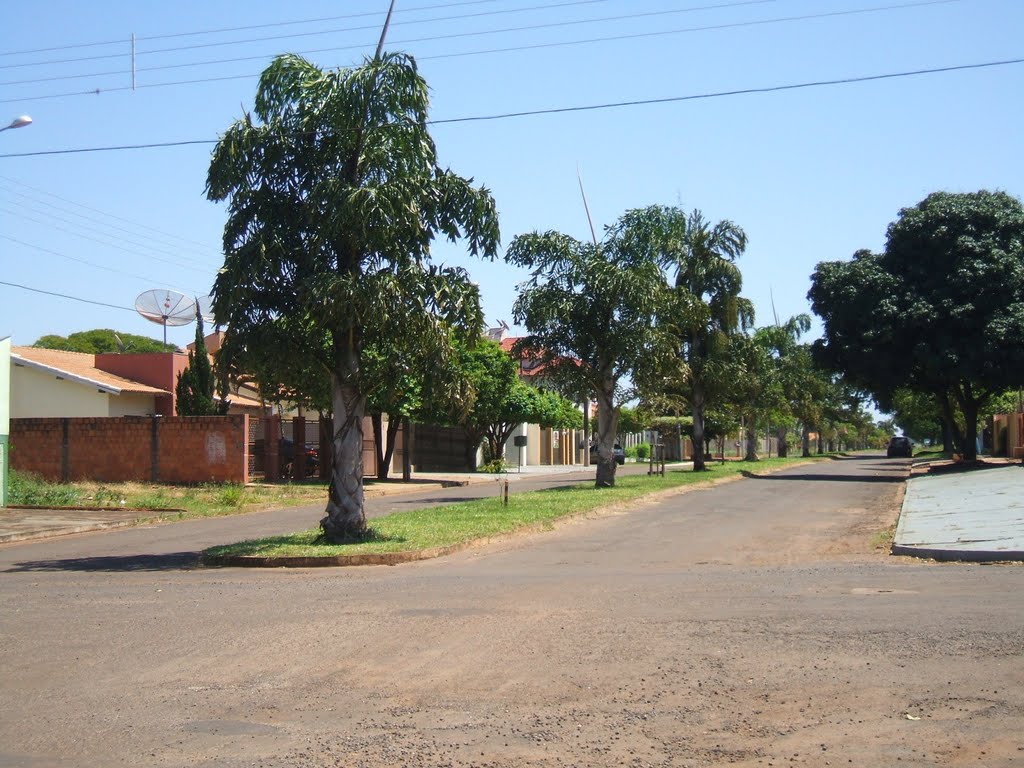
(752, 624)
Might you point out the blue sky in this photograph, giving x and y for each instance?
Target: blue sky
(811, 174)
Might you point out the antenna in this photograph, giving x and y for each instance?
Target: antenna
(204, 305)
(166, 307)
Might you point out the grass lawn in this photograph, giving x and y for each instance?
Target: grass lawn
(458, 524)
(181, 501)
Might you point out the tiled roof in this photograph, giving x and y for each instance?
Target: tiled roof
(78, 367)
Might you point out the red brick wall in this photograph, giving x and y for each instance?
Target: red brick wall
(188, 449)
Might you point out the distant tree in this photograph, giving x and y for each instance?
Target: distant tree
(701, 259)
(501, 401)
(196, 384)
(335, 197)
(591, 313)
(940, 311)
(104, 340)
(794, 377)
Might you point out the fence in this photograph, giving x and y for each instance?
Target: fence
(168, 449)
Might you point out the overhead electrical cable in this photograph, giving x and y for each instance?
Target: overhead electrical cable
(147, 243)
(334, 30)
(76, 258)
(66, 296)
(239, 29)
(587, 107)
(535, 46)
(22, 185)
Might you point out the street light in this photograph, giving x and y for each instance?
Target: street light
(18, 122)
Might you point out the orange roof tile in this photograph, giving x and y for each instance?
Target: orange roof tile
(79, 367)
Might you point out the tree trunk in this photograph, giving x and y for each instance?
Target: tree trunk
(346, 519)
(606, 429)
(782, 435)
(950, 420)
(384, 459)
(377, 419)
(407, 438)
(805, 440)
(751, 440)
(698, 427)
(472, 445)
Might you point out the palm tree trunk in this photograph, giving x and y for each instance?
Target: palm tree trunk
(345, 517)
(782, 435)
(698, 426)
(606, 427)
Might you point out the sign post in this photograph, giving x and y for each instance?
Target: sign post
(5, 414)
(520, 442)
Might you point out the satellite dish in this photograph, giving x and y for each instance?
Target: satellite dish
(166, 307)
(205, 304)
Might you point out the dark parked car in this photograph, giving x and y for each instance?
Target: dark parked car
(900, 446)
(617, 453)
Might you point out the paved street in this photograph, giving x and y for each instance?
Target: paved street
(755, 623)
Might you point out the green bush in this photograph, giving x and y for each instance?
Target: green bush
(495, 467)
(232, 495)
(643, 451)
(30, 490)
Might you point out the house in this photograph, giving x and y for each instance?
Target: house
(55, 383)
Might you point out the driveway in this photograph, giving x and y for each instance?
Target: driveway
(753, 624)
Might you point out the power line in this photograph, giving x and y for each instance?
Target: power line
(357, 46)
(588, 107)
(237, 29)
(65, 296)
(609, 38)
(76, 258)
(194, 264)
(270, 38)
(23, 185)
(148, 241)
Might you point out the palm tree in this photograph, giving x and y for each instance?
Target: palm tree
(707, 284)
(335, 196)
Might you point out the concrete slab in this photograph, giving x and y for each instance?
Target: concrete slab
(975, 515)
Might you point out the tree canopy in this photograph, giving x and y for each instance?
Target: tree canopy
(591, 311)
(335, 197)
(941, 310)
(104, 340)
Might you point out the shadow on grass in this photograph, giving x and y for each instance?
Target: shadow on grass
(175, 561)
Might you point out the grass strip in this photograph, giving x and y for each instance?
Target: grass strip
(464, 522)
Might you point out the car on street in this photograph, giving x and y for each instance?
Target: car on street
(900, 446)
(617, 453)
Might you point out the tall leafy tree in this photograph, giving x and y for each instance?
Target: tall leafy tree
(940, 311)
(591, 311)
(335, 197)
(701, 259)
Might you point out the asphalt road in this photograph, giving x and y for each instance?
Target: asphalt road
(755, 624)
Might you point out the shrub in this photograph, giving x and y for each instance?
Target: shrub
(643, 451)
(495, 467)
(30, 490)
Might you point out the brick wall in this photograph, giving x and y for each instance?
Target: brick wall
(169, 449)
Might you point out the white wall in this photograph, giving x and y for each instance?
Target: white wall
(35, 394)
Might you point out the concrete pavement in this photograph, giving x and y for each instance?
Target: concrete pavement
(976, 515)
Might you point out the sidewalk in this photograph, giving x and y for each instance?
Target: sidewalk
(18, 524)
(975, 516)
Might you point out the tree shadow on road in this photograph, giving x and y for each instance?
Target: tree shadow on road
(831, 478)
(175, 561)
